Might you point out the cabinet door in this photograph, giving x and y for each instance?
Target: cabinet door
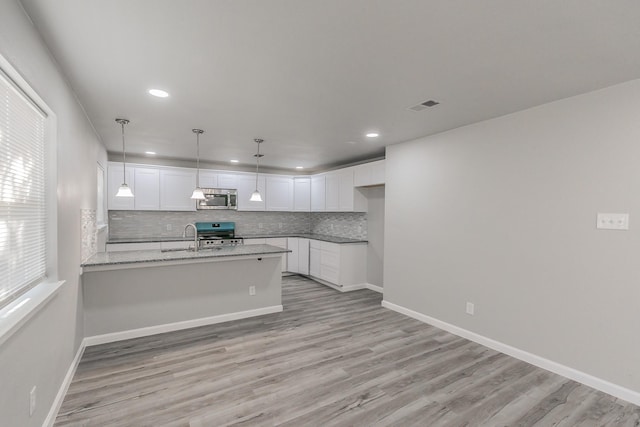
(279, 193)
(208, 179)
(303, 256)
(345, 191)
(318, 193)
(314, 262)
(332, 199)
(176, 187)
(302, 194)
(246, 186)
(362, 175)
(228, 180)
(114, 180)
(147, 189)
(378, 172)
(292, 257)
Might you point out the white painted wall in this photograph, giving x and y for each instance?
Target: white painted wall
(502, 213)
(41, 352)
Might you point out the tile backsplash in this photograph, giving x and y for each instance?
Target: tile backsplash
(130, 224)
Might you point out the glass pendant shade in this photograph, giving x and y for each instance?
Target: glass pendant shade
(124, 191)
(255, 196)
(197, 194)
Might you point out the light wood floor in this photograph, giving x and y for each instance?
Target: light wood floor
(330, 359)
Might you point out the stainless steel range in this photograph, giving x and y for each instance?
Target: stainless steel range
(216, 234)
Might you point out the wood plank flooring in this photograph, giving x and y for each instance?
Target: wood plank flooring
(329, 359)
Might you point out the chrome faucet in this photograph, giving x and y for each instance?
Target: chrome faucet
(195, 235)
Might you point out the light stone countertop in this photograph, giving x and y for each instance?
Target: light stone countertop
(103, 259)
(322, 237)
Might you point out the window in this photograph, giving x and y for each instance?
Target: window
(23, 231)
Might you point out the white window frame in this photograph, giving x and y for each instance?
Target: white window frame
(18, 311)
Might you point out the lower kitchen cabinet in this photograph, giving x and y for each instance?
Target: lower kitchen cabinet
(298, 258)
(343, 265)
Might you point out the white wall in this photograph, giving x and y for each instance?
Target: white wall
(502, 213)
(41, 352)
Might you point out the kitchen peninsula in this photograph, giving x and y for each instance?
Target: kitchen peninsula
(137, 293)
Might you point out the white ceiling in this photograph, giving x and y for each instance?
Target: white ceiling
(311, 77)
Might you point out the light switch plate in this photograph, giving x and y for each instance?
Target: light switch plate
(612, 221)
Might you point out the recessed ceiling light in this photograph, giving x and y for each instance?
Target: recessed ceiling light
(234, 161)
(372, 135)
(299, 167)
(159, 93)
(151, 153)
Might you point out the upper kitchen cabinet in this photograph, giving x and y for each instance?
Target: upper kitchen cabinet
(341, 195)
(369, 174)
(176, 187)
(246, 186)
(318, 193)
(302, 194)
(114, 180)
(208, 179)
(146, 189)
(279, 193)
(228, 180)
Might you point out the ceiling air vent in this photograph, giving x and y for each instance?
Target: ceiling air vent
(424, 105)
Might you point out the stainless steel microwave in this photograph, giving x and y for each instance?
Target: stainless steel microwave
(218, 198)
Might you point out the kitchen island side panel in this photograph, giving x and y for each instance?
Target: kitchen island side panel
(124, 300)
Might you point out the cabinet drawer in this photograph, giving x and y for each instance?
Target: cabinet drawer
(330, 274)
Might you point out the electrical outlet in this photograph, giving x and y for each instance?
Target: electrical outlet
(252, 290)
(612, 221)
(470, 308)
(32, 401)
(169, 227)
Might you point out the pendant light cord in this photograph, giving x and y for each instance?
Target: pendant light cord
(257, 164)
(124, 153)
(197, 159)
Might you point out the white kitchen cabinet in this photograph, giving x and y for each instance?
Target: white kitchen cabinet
(302, 194)
(332, 191)
(246, 186)
(346, 190)
(342, 265)
(208, 179)
(368, 174)
(176, 187)
(228, 180)
(142, 246)
(318, 193)
(279, 193)
(280, 242)
(114, 180)
(146, 189)
(298, 258)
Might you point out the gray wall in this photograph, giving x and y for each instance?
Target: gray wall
(502, 213)
(375, 234)
(41, 352)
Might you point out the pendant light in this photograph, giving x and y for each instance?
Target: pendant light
(255, 196)
(197, 193)
(124, 190)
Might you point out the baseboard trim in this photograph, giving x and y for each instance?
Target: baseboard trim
(64, 387)
(541, 362)
(374, 288)
(177, 326)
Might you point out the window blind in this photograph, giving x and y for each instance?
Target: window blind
(22, 192)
